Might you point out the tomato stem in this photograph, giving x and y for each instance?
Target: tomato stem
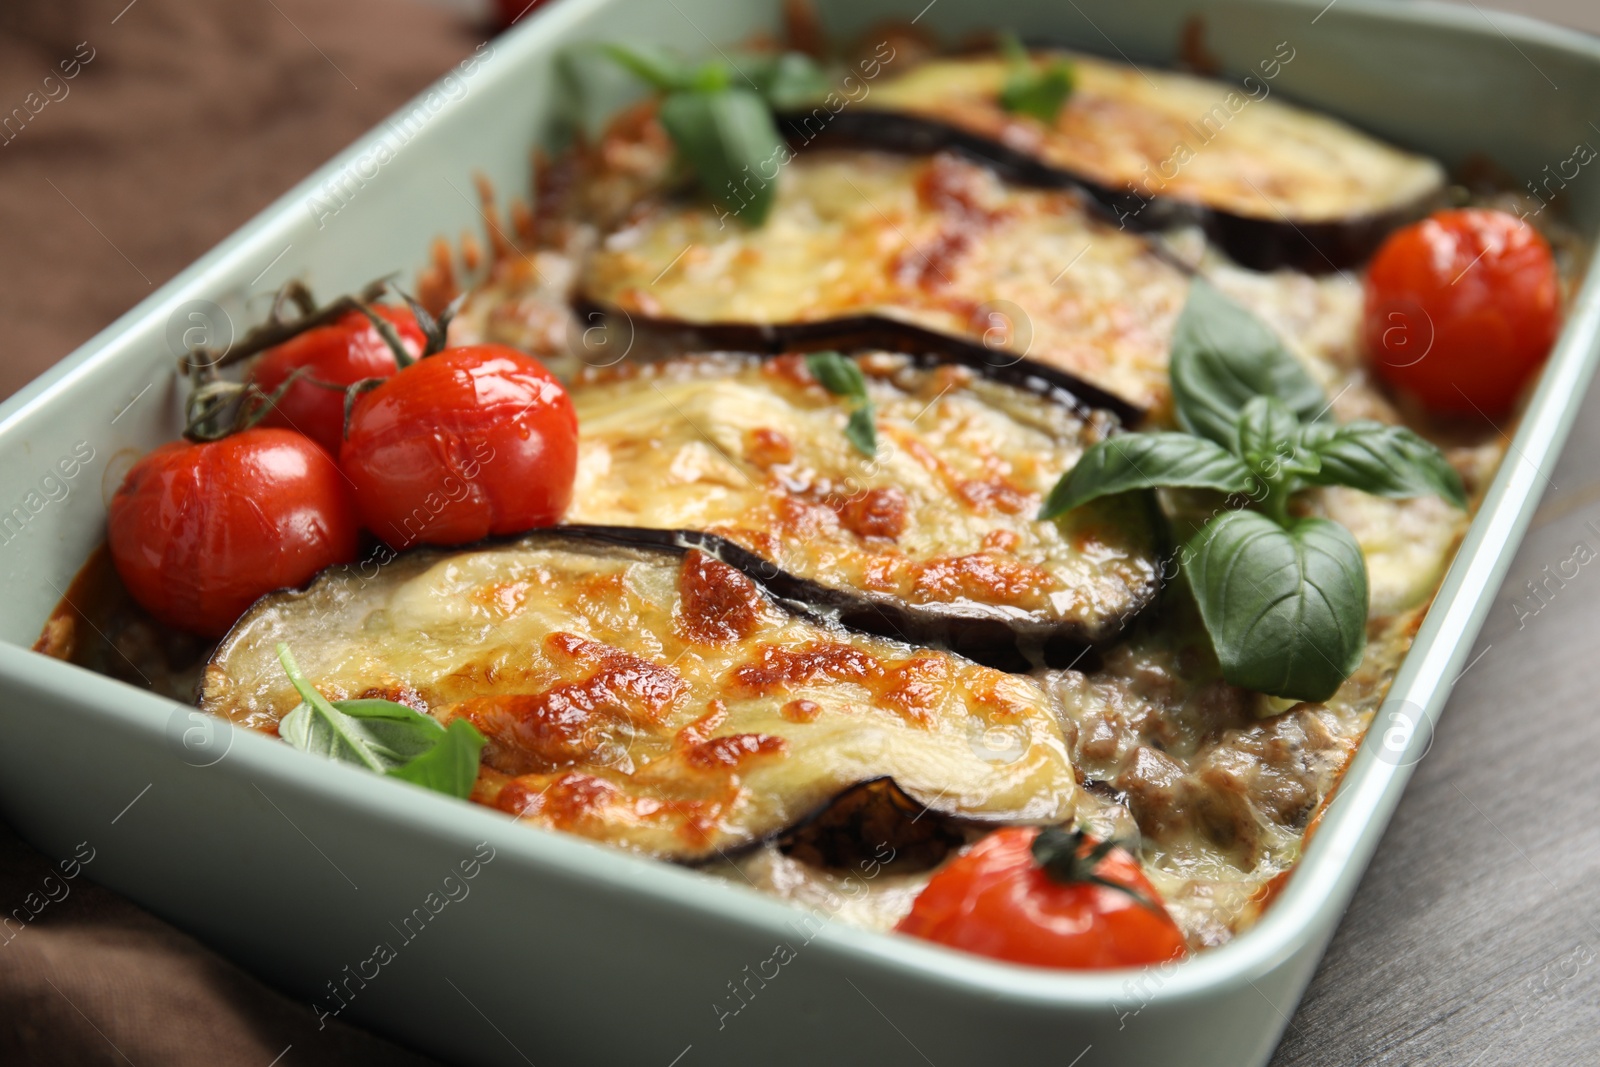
(386, 330)
(278, 328)
(1061, 854)
(218, 409)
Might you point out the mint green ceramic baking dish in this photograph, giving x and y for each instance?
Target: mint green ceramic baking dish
(560, 952)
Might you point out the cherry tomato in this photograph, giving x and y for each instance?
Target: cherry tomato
(340, 353)
(998, 900)
(471, 443)
(200, 531)
(1461, 309)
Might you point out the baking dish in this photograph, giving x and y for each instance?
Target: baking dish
(559, 951)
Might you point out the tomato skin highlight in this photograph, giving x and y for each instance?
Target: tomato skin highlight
(199, 532)
(341, 353)
(1461, 310)
(995, 900)
(474, 442)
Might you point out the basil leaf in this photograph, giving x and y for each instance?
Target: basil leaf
(1381, 459)
(450, 766)
(1146, 461)
(1028, 90)
(786, 80)
(1222, 356)
(659, 68)
(841, 377)
(1286, 608)
(710, 78)
(837, 375)
(862, 430)
(377, 743)
(1269, 440)
(375, 734)
(728, 138)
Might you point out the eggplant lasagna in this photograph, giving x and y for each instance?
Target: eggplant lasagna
(809, 606)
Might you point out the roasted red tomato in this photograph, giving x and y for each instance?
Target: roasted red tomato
(467, 444)
(1048, 898)
(200, 531)
(345, 351)
(1461, 309)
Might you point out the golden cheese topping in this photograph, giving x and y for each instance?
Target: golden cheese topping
(942, 517)
(938, 243)
(654, 700)
(1160, 133)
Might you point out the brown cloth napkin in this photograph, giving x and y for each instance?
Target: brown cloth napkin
(133, 137)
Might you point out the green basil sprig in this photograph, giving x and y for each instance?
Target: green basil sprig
(841, 377)
(1030, 89)
(1283, 599)
(719, 116)
(382, 736)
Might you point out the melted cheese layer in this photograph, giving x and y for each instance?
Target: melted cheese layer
(941, 517)
(650, 700)
(939, 243)
(1161, 133)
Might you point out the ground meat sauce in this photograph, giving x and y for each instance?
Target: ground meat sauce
(1217, 786)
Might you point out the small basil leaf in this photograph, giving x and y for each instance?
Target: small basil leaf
(837, 375)
(786, 80)
(710, 78)
(450, 766)
(355, 731)
(1269, 440)
(728, 138)
(1030, 90)
(1039, 95)
(1222, 356)
(1146, 461)
(381, 709)
(659, 68)
(862, 430)
(841, 377)
(1012, 48)
(1286, 608)
(375, 734)
(1383, 460)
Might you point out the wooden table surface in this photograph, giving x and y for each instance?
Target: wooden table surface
(1473, 940)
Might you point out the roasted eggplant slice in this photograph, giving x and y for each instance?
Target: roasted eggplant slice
(871, 249)
(651, 697)
(1272, 184)
(931, 539)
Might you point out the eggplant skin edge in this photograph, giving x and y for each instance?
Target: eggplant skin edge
(1254, 243)
(990, 637)
(857, 333)
(1015, 645)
